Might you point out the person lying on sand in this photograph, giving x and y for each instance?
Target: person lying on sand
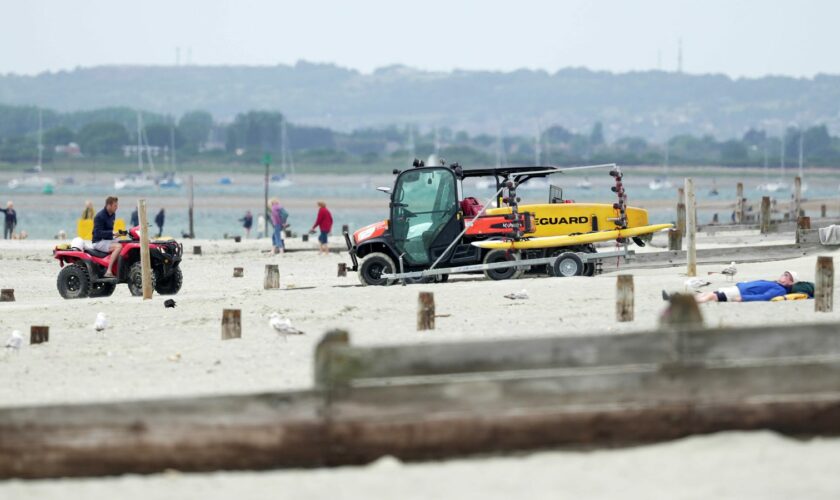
(749, 291)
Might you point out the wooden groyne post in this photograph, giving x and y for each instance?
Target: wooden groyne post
(231, 324)
(39, 334)
(797, 197)
(272, 277)
(824, 284)
(691, 228)
(739, 203)
(145, 258)
(7, 295)
(803, 224)
(238, 272)
(624, 300)
(425, 311)
(342, 269)
(764, 221)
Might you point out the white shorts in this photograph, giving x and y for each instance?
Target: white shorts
(731, 293)
(103, 246)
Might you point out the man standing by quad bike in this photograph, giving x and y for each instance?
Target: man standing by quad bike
(103, 232)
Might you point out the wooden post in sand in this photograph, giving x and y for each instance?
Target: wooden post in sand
(342, 269)
(824, 285)
(681, 214)
(691, 228)
(739, 204)
(145, 258)
(272, 277)
(764, 221)
(345, 229)
(238, 272)
(624, 301)
(304, 237)
(674, 240)
(822, 211)
(802, 224)
(197, 250)
(797, 197)
(39, 334)
(425, 311)
(231, 324)
(7, 295)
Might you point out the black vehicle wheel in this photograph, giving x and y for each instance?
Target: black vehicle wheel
(102, 289)
(506, 273)
(135, 279)
(588, 268)
(442, 278)
(73, 282)
(568, 264)
(170, 285)
(372, 268)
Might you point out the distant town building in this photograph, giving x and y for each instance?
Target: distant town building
(71, 150)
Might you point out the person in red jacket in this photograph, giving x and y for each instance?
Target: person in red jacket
(324, 223)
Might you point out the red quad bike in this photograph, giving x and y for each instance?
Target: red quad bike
(83, 270)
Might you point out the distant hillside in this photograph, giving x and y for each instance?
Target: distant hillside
(651, 104)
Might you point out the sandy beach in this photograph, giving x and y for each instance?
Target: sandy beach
(152, 352)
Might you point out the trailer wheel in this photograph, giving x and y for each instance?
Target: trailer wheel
(372, 268)
(507, 273)
(568, 264)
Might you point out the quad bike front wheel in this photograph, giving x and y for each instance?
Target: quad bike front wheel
(73, 282)
(135, 279)
(170, 285)
(373, 267)
(568, 264)
(505, 273)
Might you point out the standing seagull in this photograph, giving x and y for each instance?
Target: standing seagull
(15, 341)
(283, 325)
(729, 271)
(101, 322)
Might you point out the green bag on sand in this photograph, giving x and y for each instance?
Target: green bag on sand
(805, 287)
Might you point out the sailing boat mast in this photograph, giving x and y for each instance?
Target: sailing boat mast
(40, 139)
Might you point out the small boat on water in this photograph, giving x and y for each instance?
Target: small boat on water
(225, 181)
(170, 181)
(138, 180)
(584, 184)
(659, 184)
(31, 181)
(281, 180)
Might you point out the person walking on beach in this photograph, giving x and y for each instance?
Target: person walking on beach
(279, 216)
(160, 218)
(749, 291)
(323, 222)
(10, 220)
(135, 218)
(247, 222)
(88, 213)
(103, 232)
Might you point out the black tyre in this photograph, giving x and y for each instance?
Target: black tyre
(170, 285)
(588, 267)
(102, 289)
(73, 282)
(506, 273)
(568, 264)
(135, 279)
(372, 268)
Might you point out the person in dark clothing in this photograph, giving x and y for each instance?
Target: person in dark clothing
(103, 232)
(247, 222)
(10, 220)
(135, 218)
(159, 220)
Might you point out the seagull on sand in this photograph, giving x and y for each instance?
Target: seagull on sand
(101, 322)
(283, 325)
(696, 283)
(15, 340)
(729, 271)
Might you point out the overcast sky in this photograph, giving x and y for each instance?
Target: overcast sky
(738, 38)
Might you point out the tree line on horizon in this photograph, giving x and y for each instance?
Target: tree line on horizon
(197, 136)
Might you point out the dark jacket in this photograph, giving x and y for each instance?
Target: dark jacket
(103, 226)
(761, 290)
(11, 216)
(160, 218)
(135, 218)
